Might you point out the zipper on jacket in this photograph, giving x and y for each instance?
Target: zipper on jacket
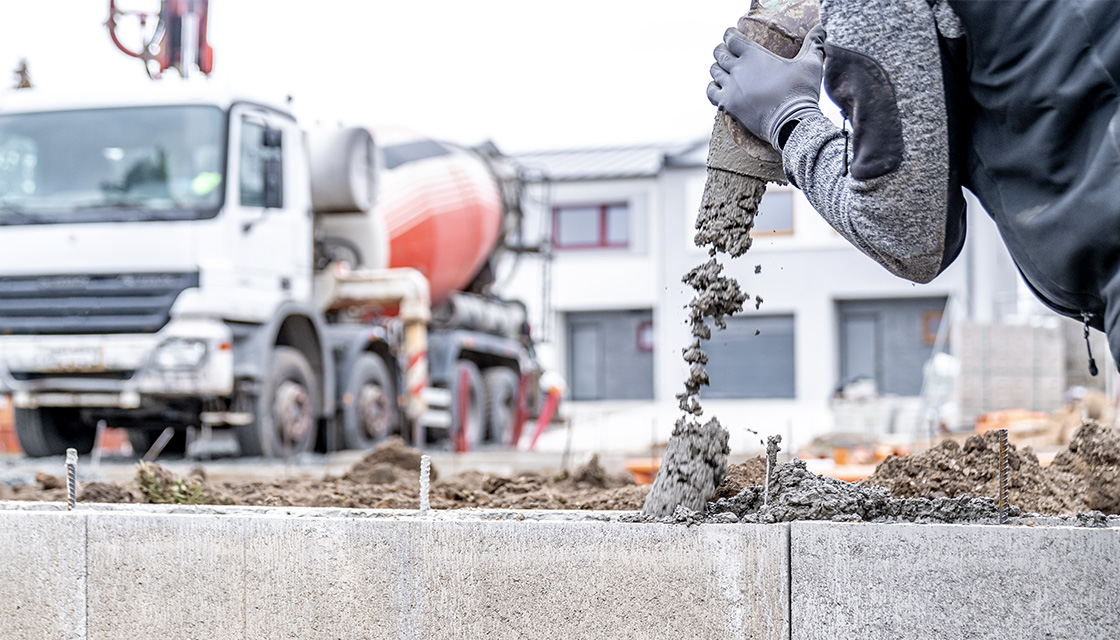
(845, 131)
(1086, 317)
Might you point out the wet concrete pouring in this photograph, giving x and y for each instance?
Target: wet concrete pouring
(695, 460)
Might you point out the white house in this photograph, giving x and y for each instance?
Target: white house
(610, 305)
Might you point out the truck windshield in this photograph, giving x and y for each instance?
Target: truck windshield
(150, 163)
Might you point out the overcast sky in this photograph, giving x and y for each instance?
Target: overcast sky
(528, 75)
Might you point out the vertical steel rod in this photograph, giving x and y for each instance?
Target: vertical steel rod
(425, 475)
(71, 478)
(1003, 471)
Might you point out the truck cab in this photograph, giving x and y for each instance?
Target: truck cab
(153, 243)
(185, 257)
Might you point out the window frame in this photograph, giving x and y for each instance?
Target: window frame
(602, 241)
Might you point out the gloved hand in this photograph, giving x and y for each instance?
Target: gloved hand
(762, 90)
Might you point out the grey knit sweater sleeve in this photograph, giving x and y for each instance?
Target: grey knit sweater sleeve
(899, 217)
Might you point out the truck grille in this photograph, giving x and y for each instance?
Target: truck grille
(90, 304)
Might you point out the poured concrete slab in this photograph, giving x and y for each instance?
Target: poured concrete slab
(42, 575)
(953, 581)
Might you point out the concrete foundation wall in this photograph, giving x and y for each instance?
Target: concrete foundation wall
(240, 572)
(184, 573)
(954, 581)
(42, 575)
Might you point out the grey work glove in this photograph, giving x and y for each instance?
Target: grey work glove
(764, 91)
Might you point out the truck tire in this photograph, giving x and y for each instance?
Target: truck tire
(142, 439)
(369, 403)
(285, 413)
(50, 431)
(501, 403)
(466, 372)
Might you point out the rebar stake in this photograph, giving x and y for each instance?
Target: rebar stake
(771, 465)
(1004, 468)
(71, 478)
(425, 474)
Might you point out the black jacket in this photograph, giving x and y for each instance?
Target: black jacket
(1034, 120)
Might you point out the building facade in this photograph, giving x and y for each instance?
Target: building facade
(820, 315)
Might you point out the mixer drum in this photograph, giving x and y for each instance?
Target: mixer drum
(442, 208)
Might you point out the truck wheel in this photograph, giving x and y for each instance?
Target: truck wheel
(50, 431)
(142, 439)
(501, 403)
(369, 403)
(285, 414)
(466, 373)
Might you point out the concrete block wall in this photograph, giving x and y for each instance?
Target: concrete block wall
(240, 572)
(1009, 367)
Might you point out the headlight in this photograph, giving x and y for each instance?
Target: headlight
(180, 353)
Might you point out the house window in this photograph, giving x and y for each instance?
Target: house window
(604, 362)
(591, 227)
(752, 358)
(888, 341)
(775, 214)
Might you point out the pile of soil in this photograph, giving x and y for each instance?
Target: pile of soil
(1093, 460)
(1083, 477)
(741, 476)
(386, 478)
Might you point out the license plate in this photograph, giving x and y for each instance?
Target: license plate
(72, 359)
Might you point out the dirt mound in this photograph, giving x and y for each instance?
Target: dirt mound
(588, 487)
(48, 482)
(386, 478)
(105, 492)
(740, 476)
(1092, 460)
(388, 462)
(47, 488)
(928, 486)
(1084, 477)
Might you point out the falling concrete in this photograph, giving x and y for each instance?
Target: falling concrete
(697, 462)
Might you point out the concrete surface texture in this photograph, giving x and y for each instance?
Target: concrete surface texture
(146, 571)
(263, 573)
(954, 581)
(42, 575)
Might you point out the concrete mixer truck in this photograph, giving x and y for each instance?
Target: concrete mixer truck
(182, 258)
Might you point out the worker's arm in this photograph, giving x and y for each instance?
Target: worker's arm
(893, 198)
